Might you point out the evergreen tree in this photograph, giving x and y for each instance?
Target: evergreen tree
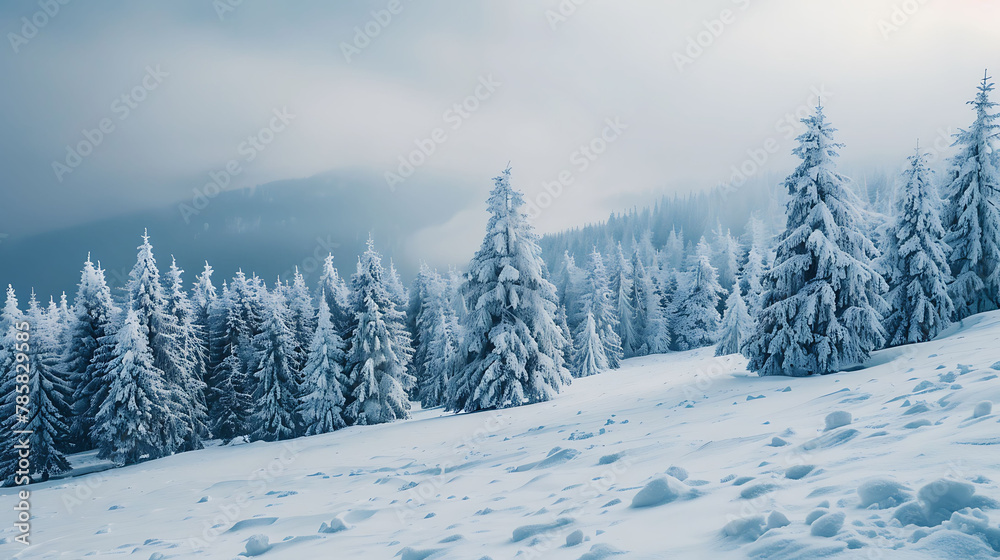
(338, 297)
(302, 318)
(674, 250)
(569, 280)
(48, 410)
(662, 285)
(90, 321)
(377, 366)
(185, 343)
(823, 306)
(625, 313)
(696, 313)
(512, 344)
(322, 408)
(591, 358)
(439, 342)
(275, 379)
(972, 216)
(11, 418)
(737, 326)
(230, 398)
(915, 262)
(598, 304)
(642, 296)
(130, 424)
(755, 268)
(724, 257)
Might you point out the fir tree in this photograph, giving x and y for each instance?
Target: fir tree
(642, 296)
(915, 262)
(755, 268)
(512, 344)
(322, 408)
(695, 310)
(662, 285)
(230, 399)
(439, 342)
(275, 379)
(737, 326)
(338, 297)
(11, 319)
(302, 318)
(48, 410)
(972, 216)
(674, 249)
(591, 358)
(130, 424)
(624, 305)
(90, 321)
(823, 304)
(185, 343)
(597, 303)
(377, 366)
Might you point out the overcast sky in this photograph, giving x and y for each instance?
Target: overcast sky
(691, 85)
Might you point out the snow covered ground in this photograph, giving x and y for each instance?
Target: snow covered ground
(722, 463)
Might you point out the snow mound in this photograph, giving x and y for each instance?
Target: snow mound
(410, 553)
(882, 492)
(777, 520)
(954, 545)
(336, 525)
(556, 456)
(574, 538)
(796, 472)
(757, 490)
(257, 545)
(659, 491)
(745, 528)
(984, 408)
(600, 552)
(837, 419)
(678, 472)
(937, 501)
(976, 523)
(527, 531)
(828, 525)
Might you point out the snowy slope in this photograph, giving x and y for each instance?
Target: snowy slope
(473, 485)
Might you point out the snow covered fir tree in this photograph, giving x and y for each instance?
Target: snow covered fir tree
(823, 304)
(512, 346)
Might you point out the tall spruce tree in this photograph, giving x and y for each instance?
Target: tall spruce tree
(439, 341)
(377, 365)
(512, 344)
(598, 304)
(624, 305)
(11, 418)
(333, 288)
(48, 411)
(185, 341)
(90, 321)
(275, 378)
(229, 388)
(972, 215)
(696, 308)
(823, 306)
(302, 318)
(132, 423)
(322, 407)
(915, 261)
(737, 326)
